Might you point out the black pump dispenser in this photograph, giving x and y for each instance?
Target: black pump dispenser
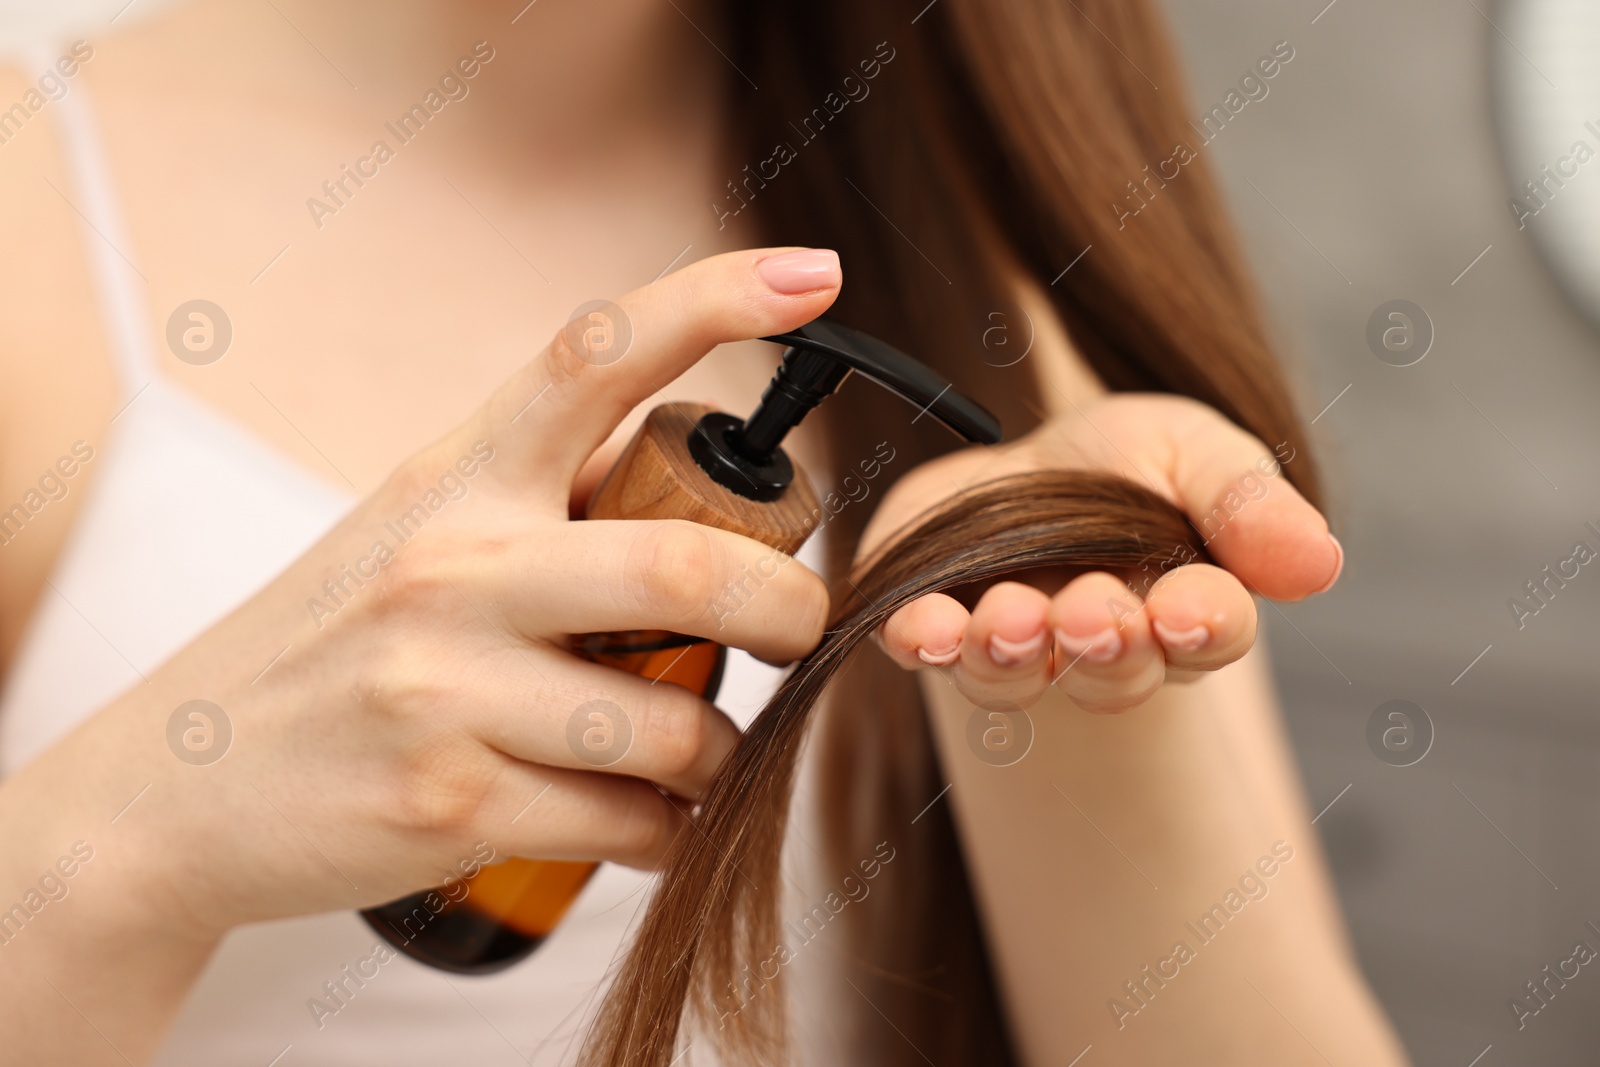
(747, 456)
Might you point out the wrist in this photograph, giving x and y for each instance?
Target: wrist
(83, 905)
(89, 829)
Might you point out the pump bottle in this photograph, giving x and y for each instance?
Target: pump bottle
(685, 462)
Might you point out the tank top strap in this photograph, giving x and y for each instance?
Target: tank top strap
(120, 288)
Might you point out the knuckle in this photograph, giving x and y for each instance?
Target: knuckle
(1021, 693)
(646, 828)
(412, 583)
(400, 700)
(408, 480)
(677, 732)
(443, 784)
(562, 361)
(382, 572)
(1113, 694)
(673, 571)
(1100, 707)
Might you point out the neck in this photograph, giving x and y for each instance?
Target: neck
(588, 79)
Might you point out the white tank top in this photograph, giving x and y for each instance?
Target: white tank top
(187, 516)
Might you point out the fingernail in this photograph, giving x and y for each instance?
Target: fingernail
(1182, 640)
(804, 271)
(1338, 563)
(1102, 647)
(1010, 653)
(941, 658)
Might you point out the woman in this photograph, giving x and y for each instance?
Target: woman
(959, 159)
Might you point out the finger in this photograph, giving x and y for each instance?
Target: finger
(1005, 654)
(676, 575)
(1254, 522)
(570, 398)
(1106, 658)
(605, 720)
(1202, 617)
(926, 632)
(551, 813)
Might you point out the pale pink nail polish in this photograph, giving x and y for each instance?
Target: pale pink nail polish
(803, 271)
(1182, 640)
(1338, 564)
(1102, 647)
(1010, 653)
(941, 658)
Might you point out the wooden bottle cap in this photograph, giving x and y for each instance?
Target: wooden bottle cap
(657, 478)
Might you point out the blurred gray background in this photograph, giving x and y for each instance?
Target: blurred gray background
(1378, 168)
(1371, 172)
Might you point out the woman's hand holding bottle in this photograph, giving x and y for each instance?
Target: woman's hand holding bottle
(422, 697)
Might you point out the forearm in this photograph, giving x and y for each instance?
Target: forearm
(97, 951)
(1099, 854)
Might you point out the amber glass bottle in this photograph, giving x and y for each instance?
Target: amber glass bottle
(510, 908)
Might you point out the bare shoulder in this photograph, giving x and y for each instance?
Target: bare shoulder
(56, 388)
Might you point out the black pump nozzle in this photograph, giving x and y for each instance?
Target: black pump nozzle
(747, 456)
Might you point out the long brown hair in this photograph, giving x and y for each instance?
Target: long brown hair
(1003, 144)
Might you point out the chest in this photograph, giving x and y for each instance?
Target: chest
(349, 290)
